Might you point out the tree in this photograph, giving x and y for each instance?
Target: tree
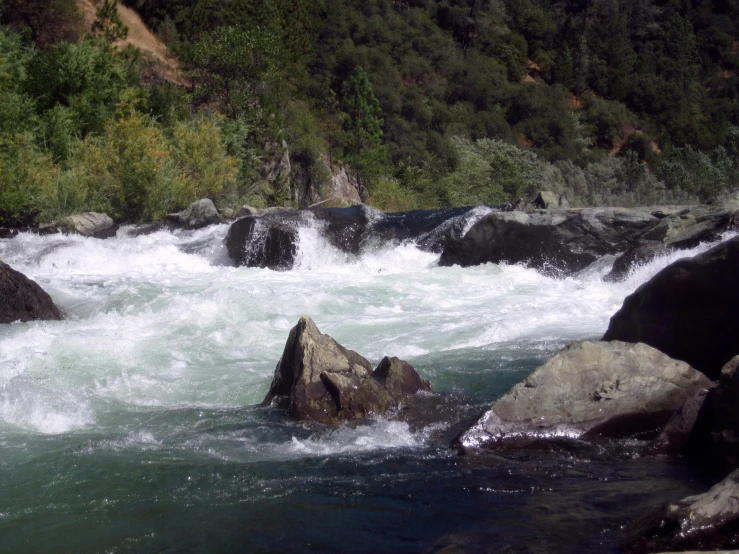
(365, 123)
(108, 25)
(237, 65)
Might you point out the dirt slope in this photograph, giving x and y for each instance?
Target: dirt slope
(138, 35)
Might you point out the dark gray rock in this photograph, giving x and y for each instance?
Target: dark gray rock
(679, 229)
(22, 299)
(200, 213)
(714, 438)
(322, 381)
(708, 521)
(590, 389)
(553, 241)
(546, 200)
(634, 256)
(674, 438)
(688, 310)
(262, 242)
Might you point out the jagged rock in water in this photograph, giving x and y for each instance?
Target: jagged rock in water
(260, 242)
(88, 224)
(708, 521)
(590, 389)
(325, 382)
(688, 310)
(553, 241)
(197, 215)
(22, 299)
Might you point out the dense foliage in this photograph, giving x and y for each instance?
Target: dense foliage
(433, 103)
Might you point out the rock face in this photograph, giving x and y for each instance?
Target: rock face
(325, 382)
(21, 299)
(714, 438)
(554, 241)
(258, 242)
(708, 521)
(685, 228)
(197, 215)
(688, 310)
(590, 389)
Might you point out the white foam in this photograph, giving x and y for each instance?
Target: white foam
(157, 321)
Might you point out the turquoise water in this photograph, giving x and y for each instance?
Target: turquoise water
(132, 427)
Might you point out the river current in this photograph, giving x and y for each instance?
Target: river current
(134, 425)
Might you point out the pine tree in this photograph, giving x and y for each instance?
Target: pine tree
(108, 25)
(364, 111)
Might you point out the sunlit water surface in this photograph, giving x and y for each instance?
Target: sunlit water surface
(133, 425)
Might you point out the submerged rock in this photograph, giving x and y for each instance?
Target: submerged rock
(706, 521)
(260, 242)
(325, 382)
(553, 241)
(590, 389)
(688, 310)
(22, 299)
(197, 215)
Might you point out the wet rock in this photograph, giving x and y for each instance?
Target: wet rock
(637, 255)
(590, 389)
(688, 310)
(674, 437)
(8, 233)
(553, 241)
(22, 299)
(346, 228)
(322, 381)
(261, 242)
(197, 215)
(714, 438)
(706, 521)
(546, 200)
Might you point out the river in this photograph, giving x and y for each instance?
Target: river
(134, 425)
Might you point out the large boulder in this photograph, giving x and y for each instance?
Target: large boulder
(554, 241)
(21, 299)
(688, 310)
(262, 242)
(197, 215)
(89, 224)
(590, 389)
(322, 381)
(708, 521)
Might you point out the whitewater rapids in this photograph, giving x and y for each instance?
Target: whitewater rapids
(166, 345)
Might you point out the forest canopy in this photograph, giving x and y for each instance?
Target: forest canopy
(431, 103)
